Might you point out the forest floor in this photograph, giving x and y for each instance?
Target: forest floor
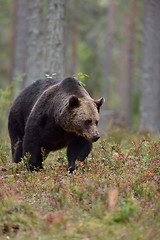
(115, 194)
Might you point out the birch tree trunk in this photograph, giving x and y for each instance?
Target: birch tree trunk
(34, 65)
(55, 38)
(150, 89)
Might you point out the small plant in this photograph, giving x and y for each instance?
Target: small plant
(81, 77)
(25, 162)
(43, 152)
(50, 76)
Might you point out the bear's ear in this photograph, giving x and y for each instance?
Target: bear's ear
(99, 103)
(73, 101)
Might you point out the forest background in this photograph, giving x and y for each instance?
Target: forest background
(115, 193)
(116, 43)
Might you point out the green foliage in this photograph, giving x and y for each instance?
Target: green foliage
(81, 77)
(50, 76)
(53, 204)
(127, 212)
(6, 99)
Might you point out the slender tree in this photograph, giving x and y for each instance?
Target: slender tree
(19, 38)
(150, 89)
(34, 64)
(158, 63)
(54, 62)
(122, 73)
(74, 38)
(108, 63)
(131, 63)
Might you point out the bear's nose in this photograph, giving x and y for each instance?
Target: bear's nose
(95, 138)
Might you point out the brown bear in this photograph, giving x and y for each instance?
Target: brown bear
(53, 114)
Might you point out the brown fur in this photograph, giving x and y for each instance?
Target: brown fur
(53, 114)
(75, 120)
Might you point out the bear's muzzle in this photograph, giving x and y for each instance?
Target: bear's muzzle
(95, 138)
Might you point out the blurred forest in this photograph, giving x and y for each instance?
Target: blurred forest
(116, 43)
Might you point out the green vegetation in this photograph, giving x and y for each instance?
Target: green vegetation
(53, 204)
(6, 98)
(81, 78)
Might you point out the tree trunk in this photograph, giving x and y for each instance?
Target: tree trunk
(158, 63)
(121, 90)
(150, 89)
(34, 66)
(107, 66)
(55, 38)
(131, 63)
(74, 38)
(20, 39)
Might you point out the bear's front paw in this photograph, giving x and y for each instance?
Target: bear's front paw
(72, 169)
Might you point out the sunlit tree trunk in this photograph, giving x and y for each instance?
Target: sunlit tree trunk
(150, 89)
(34, 65)
(107, 63)
(55, 38)
(19, 39)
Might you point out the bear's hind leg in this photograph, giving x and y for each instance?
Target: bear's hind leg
(16, 133)
(17, 151)
(16, 148)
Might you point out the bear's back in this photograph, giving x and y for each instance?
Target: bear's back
(25, 101)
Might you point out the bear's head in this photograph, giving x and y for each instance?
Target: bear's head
(82, 117)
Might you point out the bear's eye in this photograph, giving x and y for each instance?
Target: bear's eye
(96, 123)
(88, 122)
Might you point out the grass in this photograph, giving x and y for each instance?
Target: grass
(53, 204)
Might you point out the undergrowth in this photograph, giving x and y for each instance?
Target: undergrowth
(53, 204)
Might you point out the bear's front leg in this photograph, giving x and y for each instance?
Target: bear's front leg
(78, 149)
(33, 148)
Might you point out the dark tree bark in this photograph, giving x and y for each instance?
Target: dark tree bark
(150, 89)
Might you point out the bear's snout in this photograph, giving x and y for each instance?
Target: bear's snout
(95, 138)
